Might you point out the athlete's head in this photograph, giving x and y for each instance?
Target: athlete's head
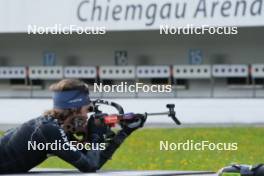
(71, 94)
(71, 103)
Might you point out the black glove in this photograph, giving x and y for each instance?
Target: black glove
(97, 132)
(138, 121)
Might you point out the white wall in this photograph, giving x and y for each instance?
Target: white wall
(14, 111)
(16, 15)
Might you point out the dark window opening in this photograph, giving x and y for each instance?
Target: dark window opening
(37, 82)
(107, 82)
(237, 81)
(259, 81)
(182, 82)
(17, 82)
(159, 81)
(89, 81)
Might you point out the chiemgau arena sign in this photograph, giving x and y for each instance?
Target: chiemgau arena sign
(16, 15)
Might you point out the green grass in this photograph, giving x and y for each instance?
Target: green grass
(141, 150)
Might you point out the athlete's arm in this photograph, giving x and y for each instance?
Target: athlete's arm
(89, 162)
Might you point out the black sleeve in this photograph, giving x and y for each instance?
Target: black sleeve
(89, 162)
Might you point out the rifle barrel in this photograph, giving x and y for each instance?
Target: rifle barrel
(157, 113)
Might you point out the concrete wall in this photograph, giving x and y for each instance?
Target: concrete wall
(147, 47)
(144, 47)
(14, 111)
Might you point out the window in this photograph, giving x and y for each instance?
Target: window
(182, 83)
(237, 81)
(159, 81)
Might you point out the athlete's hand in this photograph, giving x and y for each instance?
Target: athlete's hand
(134, 123)
(96, 132)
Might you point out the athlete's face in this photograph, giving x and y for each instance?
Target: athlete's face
(85, 110)
(77, 123)
(79, 119)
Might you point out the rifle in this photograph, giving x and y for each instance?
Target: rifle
(120, 118)
(77, 126)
